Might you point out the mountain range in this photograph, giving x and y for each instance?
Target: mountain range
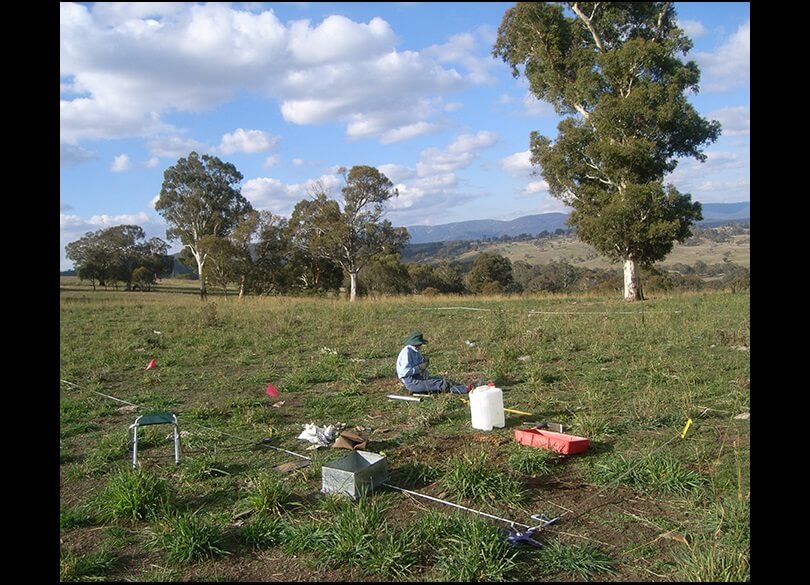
(477, 229)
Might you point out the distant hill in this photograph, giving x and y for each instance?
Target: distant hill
(720, 212)
(479, 229)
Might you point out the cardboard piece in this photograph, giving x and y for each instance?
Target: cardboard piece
(350, 440)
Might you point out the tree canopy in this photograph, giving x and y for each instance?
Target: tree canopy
(613, 69)
(200, 201)
(112, 255)
(351, 236)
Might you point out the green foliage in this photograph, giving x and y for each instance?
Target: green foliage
(116, 254)
(490, 269)
(187, 538)
(353, 236)
(134, 495)
(583, 561)
(474, 476)
(200, 202)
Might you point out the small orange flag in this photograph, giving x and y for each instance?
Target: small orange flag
(151, 365)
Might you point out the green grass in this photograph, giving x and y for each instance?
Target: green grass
(134, 495)
(473, 476)
(75, 516)
(583, 561)
(627, 376)
(268, 495)
(718, 546)
(531, 461)
(656, 473)
(81, 567)
(188, 538)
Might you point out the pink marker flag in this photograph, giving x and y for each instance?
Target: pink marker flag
(272, 390)
(152, 364)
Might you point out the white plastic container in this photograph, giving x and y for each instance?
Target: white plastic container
(486, 407)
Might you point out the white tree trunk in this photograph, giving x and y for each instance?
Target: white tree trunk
(200, 263)
(353, 287)
(632, 289)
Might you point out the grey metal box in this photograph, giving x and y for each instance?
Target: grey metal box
(357, 472)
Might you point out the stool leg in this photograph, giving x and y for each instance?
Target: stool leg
(134, 447)
(176, 445)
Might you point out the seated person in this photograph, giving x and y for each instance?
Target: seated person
(412, 370)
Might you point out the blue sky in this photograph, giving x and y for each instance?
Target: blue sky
(290, 91)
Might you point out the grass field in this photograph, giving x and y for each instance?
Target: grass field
(641, 504)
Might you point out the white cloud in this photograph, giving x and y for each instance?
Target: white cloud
(241, 140)
(458, 155)
(266, 193)
(175, 147)
(153, 201)
(71, 155)
(121, 163)
(729, 66)
(725, 176)
(693, 28)
(536, 187)
(736, 120)
(298, 162)
(453, 106)
(338, 39)
(407, 132)
(518, 164)
(125, 65)
(462, 48)
(270, 161)
(105, 220)
(152, 162)
(396, 173)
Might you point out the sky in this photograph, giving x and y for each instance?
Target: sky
(289, 92)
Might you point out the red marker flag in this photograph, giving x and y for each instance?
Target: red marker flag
(152, 364)
(272, 390)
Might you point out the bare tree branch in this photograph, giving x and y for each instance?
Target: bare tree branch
(575, 7)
